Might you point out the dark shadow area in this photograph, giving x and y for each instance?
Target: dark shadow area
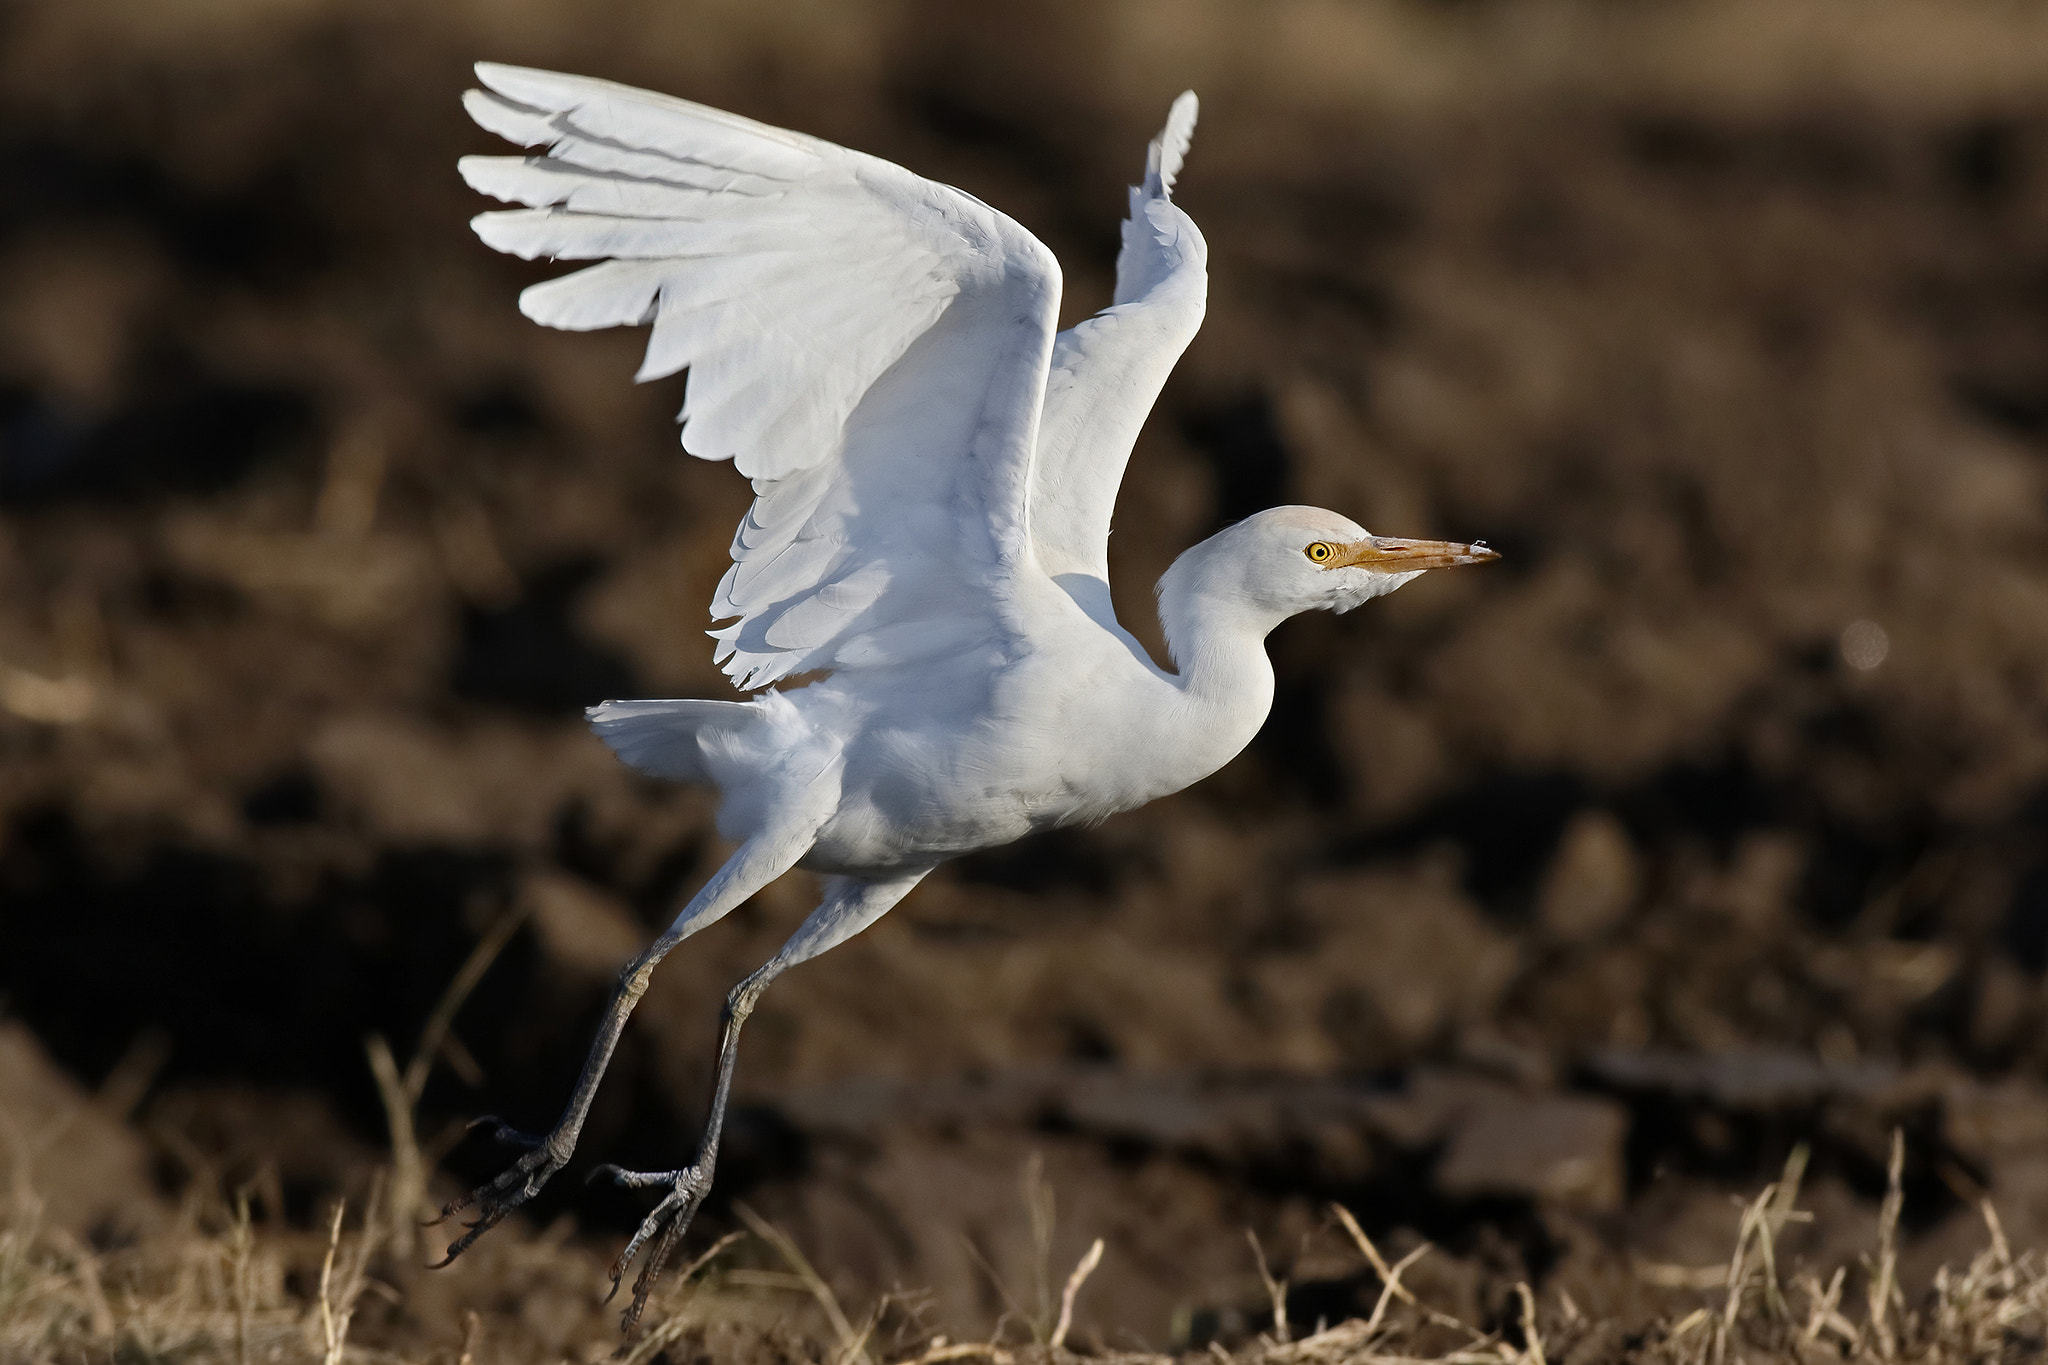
(193, 435)
(100, 950)
(1056, 859)
(1242, 443)
(1714, 801)
(1674, 1132)
(1507, 826)
(1295, 745)
(2016, 404)
(291, 797)
(530, 656)
(505, 409)
(263, 232)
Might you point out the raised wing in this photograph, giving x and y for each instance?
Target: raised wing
(1108, 371)
(869, 347)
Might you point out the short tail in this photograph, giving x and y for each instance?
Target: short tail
(664, 738)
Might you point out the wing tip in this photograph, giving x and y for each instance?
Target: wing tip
(475, 171)
(496, 112)
(1169, 150)
(534, 89)
(498, 74)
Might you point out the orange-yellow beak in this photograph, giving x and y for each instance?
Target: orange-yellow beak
(1388, 554)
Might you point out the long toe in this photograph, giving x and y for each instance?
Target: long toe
(654, 1222)
(504, 1132)
(665, 1226)
(635, 1180)
(501, 1195)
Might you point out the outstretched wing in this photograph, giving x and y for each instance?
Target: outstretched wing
(868, 347)
(1108, 371)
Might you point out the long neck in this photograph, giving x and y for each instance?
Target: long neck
(1218, 642)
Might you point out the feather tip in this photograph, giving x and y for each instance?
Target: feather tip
(1164, 157)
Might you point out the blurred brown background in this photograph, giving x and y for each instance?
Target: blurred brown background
(1554, 903)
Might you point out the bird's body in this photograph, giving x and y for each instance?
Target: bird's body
(934, 469)
(966, 752)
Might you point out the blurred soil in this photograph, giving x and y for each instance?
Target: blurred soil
(1555, 905)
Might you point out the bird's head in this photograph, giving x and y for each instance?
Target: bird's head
(1288, 560)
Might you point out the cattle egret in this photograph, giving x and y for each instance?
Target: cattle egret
(934, 466)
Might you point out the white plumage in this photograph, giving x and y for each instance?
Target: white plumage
(934, 471)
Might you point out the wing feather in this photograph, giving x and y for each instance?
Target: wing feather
(644, 119)
(588, 189)
(612, 294)
(536, 127)
(869, 347)
(574, 235)
(1107, 372)
(1163, 159)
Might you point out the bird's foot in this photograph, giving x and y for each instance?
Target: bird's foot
(543, 1157)
(665, 1226)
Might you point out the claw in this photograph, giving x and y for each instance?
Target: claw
(453, 1207)
(496, 1198)
(487, 1219)
(455, 1249)
(461, 1244)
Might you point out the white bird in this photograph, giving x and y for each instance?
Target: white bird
(934, 466)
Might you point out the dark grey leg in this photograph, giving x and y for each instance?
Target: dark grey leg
(849, 906)
(687, 1187)
(756, 863)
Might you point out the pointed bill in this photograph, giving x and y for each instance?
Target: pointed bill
(1391, 554)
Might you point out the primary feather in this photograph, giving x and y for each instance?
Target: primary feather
(1107, 372)
(874, 350)
(868, 347)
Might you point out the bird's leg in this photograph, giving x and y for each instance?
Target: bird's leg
(756, 863)
(549, 1153)
(687, 1187)
(849, 906)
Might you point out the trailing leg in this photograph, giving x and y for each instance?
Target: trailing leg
(756, 863)
(849, 906)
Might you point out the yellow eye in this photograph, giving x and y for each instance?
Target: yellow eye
(1322, 552)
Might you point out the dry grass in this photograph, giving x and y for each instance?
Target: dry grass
(214, 1283)
(211, 1281)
